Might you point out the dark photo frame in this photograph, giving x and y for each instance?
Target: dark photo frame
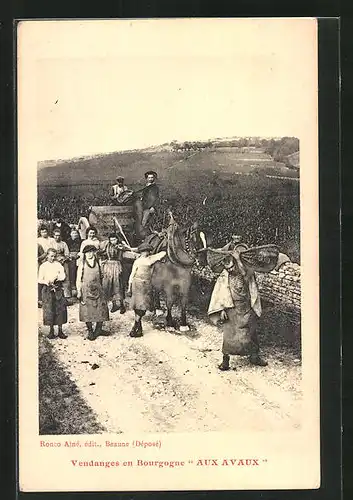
(330, 304)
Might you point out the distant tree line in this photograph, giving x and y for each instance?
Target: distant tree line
(191, 145)
(278, 149)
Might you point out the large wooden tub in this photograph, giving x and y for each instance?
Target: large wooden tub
(103, 218)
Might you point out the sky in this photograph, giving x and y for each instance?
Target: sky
(92, 87)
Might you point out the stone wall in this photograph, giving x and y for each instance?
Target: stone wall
(282, 287)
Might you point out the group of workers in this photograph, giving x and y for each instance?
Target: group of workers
(92, 270)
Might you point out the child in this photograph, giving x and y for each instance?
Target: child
(140, 285)
(51, 276)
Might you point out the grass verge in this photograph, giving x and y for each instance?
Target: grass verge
(61, 408)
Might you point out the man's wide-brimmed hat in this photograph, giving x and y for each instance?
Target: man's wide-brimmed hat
(151, 172)
(120, 178)
(145, 247)
(89, 248)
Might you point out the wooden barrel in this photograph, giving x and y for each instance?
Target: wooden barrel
(103, 218)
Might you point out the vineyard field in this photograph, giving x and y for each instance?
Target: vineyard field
(203, 186)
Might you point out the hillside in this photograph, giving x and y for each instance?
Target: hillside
(168, 164)
(225, 190)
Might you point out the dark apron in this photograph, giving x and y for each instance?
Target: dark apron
(54, 306)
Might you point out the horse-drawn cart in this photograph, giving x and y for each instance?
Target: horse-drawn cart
(119, 218)
(107, 219)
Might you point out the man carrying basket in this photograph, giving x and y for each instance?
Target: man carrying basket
(235, 304)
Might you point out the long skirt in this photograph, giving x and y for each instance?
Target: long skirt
(112, 280)
(239, 332)
(54, 307)
(142, 298)
(72, 268)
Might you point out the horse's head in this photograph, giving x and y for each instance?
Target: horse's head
(184, 243)
(195, 240)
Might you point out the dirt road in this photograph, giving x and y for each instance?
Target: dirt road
(169, 382)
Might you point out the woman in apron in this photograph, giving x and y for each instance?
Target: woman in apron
(112, 253)
(51, 276)
(89, 285)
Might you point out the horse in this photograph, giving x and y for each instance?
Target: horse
(173, 275)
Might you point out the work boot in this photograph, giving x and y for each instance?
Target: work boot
(91, 335)
(224, 366)
(122, 308)
(51, 335)
(136, 330)
(61, 334)
(114, 307)
(99, 330)
(256, 360)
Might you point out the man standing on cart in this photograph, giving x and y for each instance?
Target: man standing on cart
(149, 198)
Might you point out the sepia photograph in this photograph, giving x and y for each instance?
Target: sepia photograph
(169, 283)
(168, 239)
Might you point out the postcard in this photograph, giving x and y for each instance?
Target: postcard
(168, 254)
